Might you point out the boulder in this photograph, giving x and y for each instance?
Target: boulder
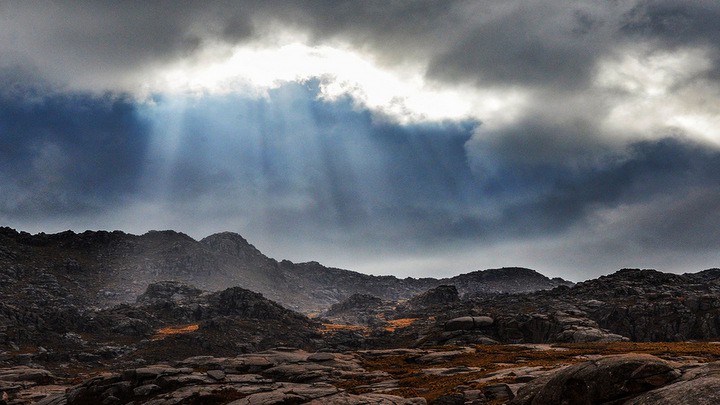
(700, 386)
(441, 295)
(498, 392)
(163, 291)
(26, 374)
(468, 323)
(216, 374)
(319, 357)
(610, 378)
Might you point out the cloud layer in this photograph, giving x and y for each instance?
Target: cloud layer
(410, 137)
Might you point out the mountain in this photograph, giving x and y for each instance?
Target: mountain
(504, 280)
(107, 268)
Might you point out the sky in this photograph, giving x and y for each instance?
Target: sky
(413, 138)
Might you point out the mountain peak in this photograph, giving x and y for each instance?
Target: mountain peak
(167, 234)
(505, 280)
(231, 243)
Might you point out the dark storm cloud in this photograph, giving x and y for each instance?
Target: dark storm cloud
(65, 153)
(492, 43)
(632, 179)
(681, 224)
(675, 23)
(108, 40)
(537, 139)
(541, 198)
(489, 43)
(548, 44)
(671, 24)
(551, 44)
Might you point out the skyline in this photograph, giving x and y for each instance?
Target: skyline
(409, 138)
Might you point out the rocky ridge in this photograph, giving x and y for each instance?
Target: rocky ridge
(105, 268)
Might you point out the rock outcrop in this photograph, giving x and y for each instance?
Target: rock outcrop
(631, 304)
(697, 386)
(606, 380)
(283, 376)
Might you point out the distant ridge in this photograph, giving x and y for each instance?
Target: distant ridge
(116, 267)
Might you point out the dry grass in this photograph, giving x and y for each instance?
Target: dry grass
(710, 351)
(337, 327)
(174, 330)
(399, 323)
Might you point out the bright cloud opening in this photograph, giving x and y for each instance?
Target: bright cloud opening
(402, 93)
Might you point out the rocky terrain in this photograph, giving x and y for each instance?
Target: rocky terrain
(631, 304)
(111, 318)
(518, 375)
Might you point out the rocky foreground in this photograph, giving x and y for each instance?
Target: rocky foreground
(519, 375)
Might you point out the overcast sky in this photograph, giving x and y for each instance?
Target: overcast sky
(423, 138)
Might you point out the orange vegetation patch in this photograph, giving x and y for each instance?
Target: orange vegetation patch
(174, 330)
(336, 327)
(399, 323)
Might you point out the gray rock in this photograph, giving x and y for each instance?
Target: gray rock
(468, 323)
(321, 357)
(111, 400)
(366, 399)
(440, 357)
(145, 390)
(473, 395)
(24, 373)
(610, 378)
(699, 386)
(700, 391)
(498, 392)
(270, 398)
(297, 372)
(155, 371)
(216, 374)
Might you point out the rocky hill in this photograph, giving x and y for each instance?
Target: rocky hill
(105, 268)
(629, 305)
(504, 280)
